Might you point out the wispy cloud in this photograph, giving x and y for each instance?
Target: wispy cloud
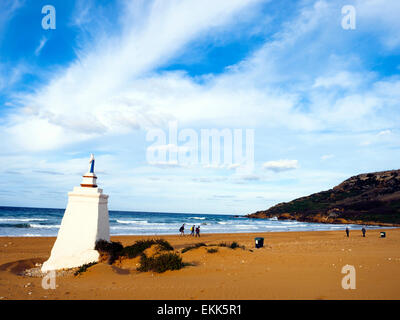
(106, 82)
(7, 11)
(42, 43)
(307, 89)
(327, 156)
(281, 165)
(384, 132)
(116, 93)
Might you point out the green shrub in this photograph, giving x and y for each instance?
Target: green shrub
(160, 263)
(137, 248)
(140, 246)
(84, 267)
(112, 249)
(164, 245)
(234, 245)
(195, 246)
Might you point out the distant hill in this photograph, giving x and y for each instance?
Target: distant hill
(371, 198)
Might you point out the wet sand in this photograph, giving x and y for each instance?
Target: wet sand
(292, 265)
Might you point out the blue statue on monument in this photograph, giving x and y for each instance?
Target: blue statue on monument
(91, 164)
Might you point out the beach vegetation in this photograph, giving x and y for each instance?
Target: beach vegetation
(140, 246)
(83, 268)
(160, 263)
(234, 245)
(195, 246)
(164, 245)
(112, 249)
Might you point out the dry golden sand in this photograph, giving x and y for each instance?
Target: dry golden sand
(293, 265)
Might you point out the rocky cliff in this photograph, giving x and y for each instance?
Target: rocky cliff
(371, 198)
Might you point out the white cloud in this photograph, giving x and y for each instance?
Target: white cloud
(342, 79)
(42, 43)
(11, 75)
(380, 18)
(381, 137)
(166, 164)
(168, 150)
(281, 165)
(101, 92)
(327, 156)
(247, 177)
(384, 132)
(83, 13)
(7, 11)
(173, 148)
(110, 89)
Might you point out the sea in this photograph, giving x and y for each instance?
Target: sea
(44, 222)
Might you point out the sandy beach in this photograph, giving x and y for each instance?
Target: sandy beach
(292, 265)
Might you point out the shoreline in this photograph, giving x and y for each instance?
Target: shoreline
(291, 265)
(376, 227)
(318, 220)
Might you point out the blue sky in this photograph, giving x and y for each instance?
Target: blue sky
(323, 101)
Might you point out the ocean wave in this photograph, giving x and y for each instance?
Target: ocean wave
(21, 219)
(291, 222)
(198, 218)
(45, 226)
(149, 228)
(133, 221)
(243, 227)
(28, 225)
(15, 225)
(271, 227)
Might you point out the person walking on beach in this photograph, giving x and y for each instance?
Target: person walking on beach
(182, 230)
(347, 232)
(363, 231)
(192, 230)
(198, 231)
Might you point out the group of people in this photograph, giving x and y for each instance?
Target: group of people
(362, 230)
(193, 229)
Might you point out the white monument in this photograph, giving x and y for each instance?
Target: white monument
(85, 221)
